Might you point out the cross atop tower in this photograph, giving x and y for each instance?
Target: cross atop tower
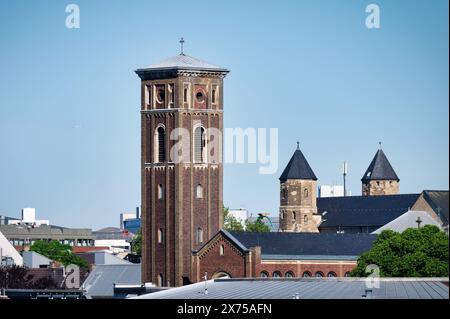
(181, 43)
(379, 145)
(298, 145)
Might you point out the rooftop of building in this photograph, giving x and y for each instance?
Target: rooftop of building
(380, 169)
(45, 230)
(100, 282)
(310, 288)
(298, 168)
(181, 62)
(353, 211)
(439, 202)
(291, 245)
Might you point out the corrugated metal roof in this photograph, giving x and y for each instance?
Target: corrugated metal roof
(311, 288)
(100, 282)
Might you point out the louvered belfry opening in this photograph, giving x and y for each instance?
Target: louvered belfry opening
(161, 145)
(199, 144)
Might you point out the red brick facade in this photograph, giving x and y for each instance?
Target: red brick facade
(175, 219)
(238, 262)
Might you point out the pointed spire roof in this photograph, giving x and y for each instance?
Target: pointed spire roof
(380, 169)
(298, 168)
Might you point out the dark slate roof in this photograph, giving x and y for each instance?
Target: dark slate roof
(363, 210)
(305, 244)
(380, 169)
(298, 168)
(439, 202)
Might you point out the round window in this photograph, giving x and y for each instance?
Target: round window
(200, 97)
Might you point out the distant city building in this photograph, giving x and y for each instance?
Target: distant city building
(116, 239)
(102, 258)
(129, 216)
(331, 191)
(101, 281)
(8, 254)
(241, 214)
(32, 259)
(132, 225)
(22, 235)
(28, 218)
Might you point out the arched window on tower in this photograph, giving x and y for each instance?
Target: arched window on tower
(199, 191)
(160, 146)
(305, 192)
(160, 191)
(222, 250)
(305, 219)
(160, 236)
(199, 144)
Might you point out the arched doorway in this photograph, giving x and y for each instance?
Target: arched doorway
(220, 274)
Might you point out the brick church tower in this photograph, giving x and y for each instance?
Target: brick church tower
(181, 164)
(298, 205)
(380, 178)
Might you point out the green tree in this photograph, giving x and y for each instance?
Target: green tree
(413, 253)
(136, 243)
(257, 226)
(230, 222)
(58, 252)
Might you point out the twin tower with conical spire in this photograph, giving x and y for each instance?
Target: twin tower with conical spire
(298, 187)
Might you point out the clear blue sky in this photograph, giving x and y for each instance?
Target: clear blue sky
(69, 99)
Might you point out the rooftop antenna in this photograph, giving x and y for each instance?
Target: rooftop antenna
(344, 173)
(181, 43)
